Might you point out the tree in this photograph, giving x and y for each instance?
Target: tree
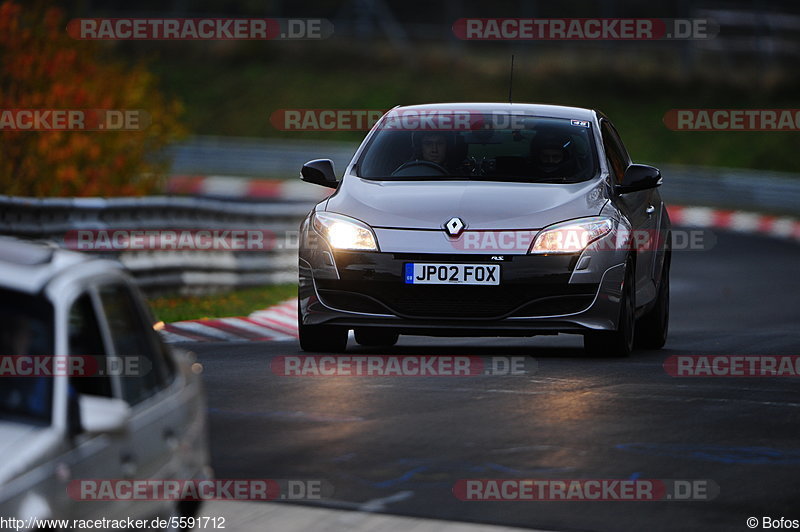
(44, 68)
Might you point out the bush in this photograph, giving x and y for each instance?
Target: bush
(44, 68)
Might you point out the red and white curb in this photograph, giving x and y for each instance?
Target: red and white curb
(277, 323)
(244, 187)
(739, 221)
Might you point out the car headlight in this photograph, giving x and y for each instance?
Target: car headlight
(572, 236)
(343, 232)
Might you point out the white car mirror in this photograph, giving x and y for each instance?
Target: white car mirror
(103, 414)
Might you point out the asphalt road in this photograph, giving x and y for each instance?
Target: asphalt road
(398, 445)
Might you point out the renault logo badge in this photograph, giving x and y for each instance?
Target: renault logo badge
(454, 226)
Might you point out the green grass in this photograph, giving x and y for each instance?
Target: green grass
(235, 303)
(235, 92)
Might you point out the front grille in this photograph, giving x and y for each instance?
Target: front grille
(450, 307)
(432, 301)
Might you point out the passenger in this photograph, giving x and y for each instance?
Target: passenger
(551, 159)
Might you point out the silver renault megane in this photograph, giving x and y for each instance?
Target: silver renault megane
(486, 219)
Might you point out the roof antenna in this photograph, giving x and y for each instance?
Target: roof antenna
(511, 79)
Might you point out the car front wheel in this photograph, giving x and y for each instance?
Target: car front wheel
(652, 328)
(321, 338)
(617, 343)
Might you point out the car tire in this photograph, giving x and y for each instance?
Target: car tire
(617, 343)
(374, 337)
(321, 338)
(183, 509)
(653, 327)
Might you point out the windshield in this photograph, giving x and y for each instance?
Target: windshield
(26, 330)
(514, 148)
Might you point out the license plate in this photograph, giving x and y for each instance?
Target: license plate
(424, 273)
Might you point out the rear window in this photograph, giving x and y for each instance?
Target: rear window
(514, 148)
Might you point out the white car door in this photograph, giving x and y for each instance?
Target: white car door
(151, 391)
(94, 457)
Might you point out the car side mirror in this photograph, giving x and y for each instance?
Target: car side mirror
(103, 414)
(639, 177)
(319, 172)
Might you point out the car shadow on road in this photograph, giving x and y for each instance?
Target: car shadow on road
(460, 347)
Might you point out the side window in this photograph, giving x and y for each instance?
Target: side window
(85, 339)
(132, 337)
(617, 156)
(623, 150)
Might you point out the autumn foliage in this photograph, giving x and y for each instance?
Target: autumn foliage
(41, 67)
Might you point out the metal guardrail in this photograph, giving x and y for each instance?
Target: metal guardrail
(757, 190)
(202, 271)
(243, 156)
(170, 270)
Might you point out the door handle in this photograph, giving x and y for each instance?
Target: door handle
(650, 210)
(128, 465)
(171, 439)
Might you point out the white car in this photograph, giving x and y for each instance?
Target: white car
(57, 429)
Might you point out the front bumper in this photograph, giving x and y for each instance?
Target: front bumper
(537, 294)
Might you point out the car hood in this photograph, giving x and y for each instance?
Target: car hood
(480, 204)
(22, 447)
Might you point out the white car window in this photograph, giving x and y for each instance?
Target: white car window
(85, 339)
(131, 337)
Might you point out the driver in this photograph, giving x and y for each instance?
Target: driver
(434, 148)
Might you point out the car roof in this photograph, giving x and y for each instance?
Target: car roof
(28, 266)
(534, 109)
